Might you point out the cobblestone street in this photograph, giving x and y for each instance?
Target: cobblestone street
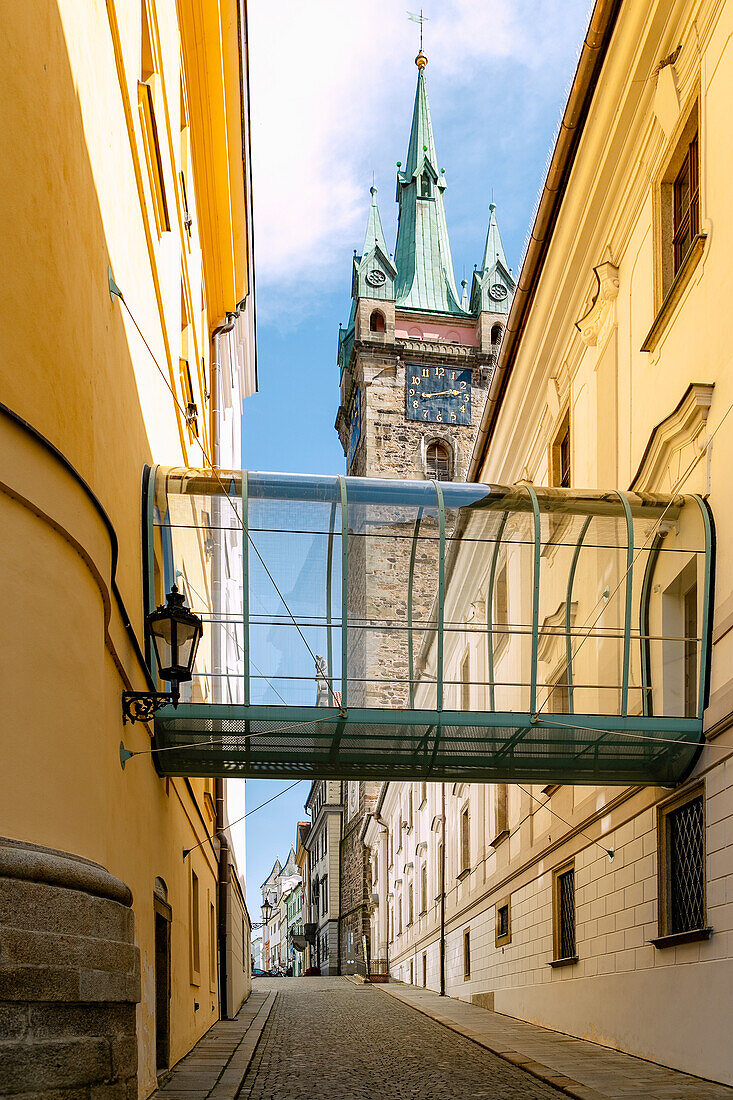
(330, 1037)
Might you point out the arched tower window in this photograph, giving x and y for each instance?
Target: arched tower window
(425, 186)
(496, 331)
(437, 462)
(376, 322)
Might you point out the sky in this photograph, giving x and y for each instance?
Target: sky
(332, 86)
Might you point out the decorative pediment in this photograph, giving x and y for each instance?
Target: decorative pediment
(436, 823)
(407, 868)
(600, 314)
(422, 846)
(675, 442)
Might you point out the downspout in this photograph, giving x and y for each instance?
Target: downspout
(216, 655)
(381, 822)
(442, 891)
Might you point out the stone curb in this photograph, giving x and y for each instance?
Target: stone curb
(550, 1076)
(232, 1077)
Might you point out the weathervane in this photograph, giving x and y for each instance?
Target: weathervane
(418, 19)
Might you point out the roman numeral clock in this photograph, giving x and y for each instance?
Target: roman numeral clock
(437, 395)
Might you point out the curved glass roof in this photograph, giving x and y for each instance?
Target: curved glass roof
(395, 629)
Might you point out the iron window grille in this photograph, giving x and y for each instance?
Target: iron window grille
(565, 915)
(502, 926)
(686, 867)
(686, 205)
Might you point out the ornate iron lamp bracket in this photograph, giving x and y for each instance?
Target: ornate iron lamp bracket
(140, 706)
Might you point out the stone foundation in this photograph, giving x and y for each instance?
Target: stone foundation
(69, 977)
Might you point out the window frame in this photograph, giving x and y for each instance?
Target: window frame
(558, 959)
(467, 954)
(464, 839)
(502, 939)
(435, 472)
(665, 810)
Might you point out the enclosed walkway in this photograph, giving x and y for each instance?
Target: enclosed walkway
(397, 629)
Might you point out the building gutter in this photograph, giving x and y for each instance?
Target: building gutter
(216, 585)
(595, 45)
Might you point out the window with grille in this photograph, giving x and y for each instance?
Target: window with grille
(564, 915)
(503, 920)
(686, 204)
(467, 954)
(410, 913)
(424, 888)
(682, 835)
(437, 462)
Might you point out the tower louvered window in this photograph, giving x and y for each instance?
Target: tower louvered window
(437, 462)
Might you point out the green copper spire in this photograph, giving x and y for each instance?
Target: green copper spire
(425, 279)
(493, 285)
(374, 237)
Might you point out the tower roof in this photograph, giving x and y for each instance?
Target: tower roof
(493, 284)
(374, 237)
(494, 250)
(425, 279)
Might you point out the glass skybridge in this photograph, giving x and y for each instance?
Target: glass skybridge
(441, 631)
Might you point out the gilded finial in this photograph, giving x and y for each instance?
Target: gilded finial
(421, 61)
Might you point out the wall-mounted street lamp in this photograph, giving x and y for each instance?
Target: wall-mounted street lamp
(267, 911)
(175, 632)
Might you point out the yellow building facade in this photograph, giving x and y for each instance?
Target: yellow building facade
(614, 373)
(126, 157)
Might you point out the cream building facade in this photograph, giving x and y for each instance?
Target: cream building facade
(125, 168)
(614, 372)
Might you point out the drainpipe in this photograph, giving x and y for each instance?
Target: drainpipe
(216, 655)
(380, 821)
(442, 892)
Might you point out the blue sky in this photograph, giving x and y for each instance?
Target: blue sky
(332, 89)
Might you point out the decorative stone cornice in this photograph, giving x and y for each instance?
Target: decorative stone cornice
(597, 319)
(675, 442)
(435, 347)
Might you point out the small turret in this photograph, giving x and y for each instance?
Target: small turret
(493, 285)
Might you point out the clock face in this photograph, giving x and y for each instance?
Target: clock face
(376, 278)
(438, 395)
(498, 292)
(354, 425)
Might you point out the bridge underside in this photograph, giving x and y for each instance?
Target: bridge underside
(270, 742)
(435, 631)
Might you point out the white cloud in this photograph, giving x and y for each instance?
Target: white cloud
(332, 86)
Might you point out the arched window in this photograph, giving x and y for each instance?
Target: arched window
(496, 331)
(437, 462)
(425, 186)
(376, 322)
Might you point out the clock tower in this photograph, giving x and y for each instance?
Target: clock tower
(416, 358)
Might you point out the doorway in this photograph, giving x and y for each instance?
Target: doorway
(163, 915)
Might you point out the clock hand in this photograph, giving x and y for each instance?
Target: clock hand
(440, 393)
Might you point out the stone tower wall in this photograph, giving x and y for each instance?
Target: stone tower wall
(69, 977)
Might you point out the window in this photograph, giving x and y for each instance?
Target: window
(195, 930)
(424, 888)
(689, 601)
(151, 147)
(399, 915)
(500, 811)
(558, 699)
(437, 462)
(425, 186)
(439, 877)
(409, 807)
(390, 842)
(424, 970)
(190, 407)
(496, 333)
(563, 913)
(410, 910)
(466, 681)
(376, 322)
(560, 469)
(503, 934)
(686, 204)
(682, 903)
(467, 954)
(212, 946)
(412, 971)
(324, 894)
(465, 839)
(423, 793)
